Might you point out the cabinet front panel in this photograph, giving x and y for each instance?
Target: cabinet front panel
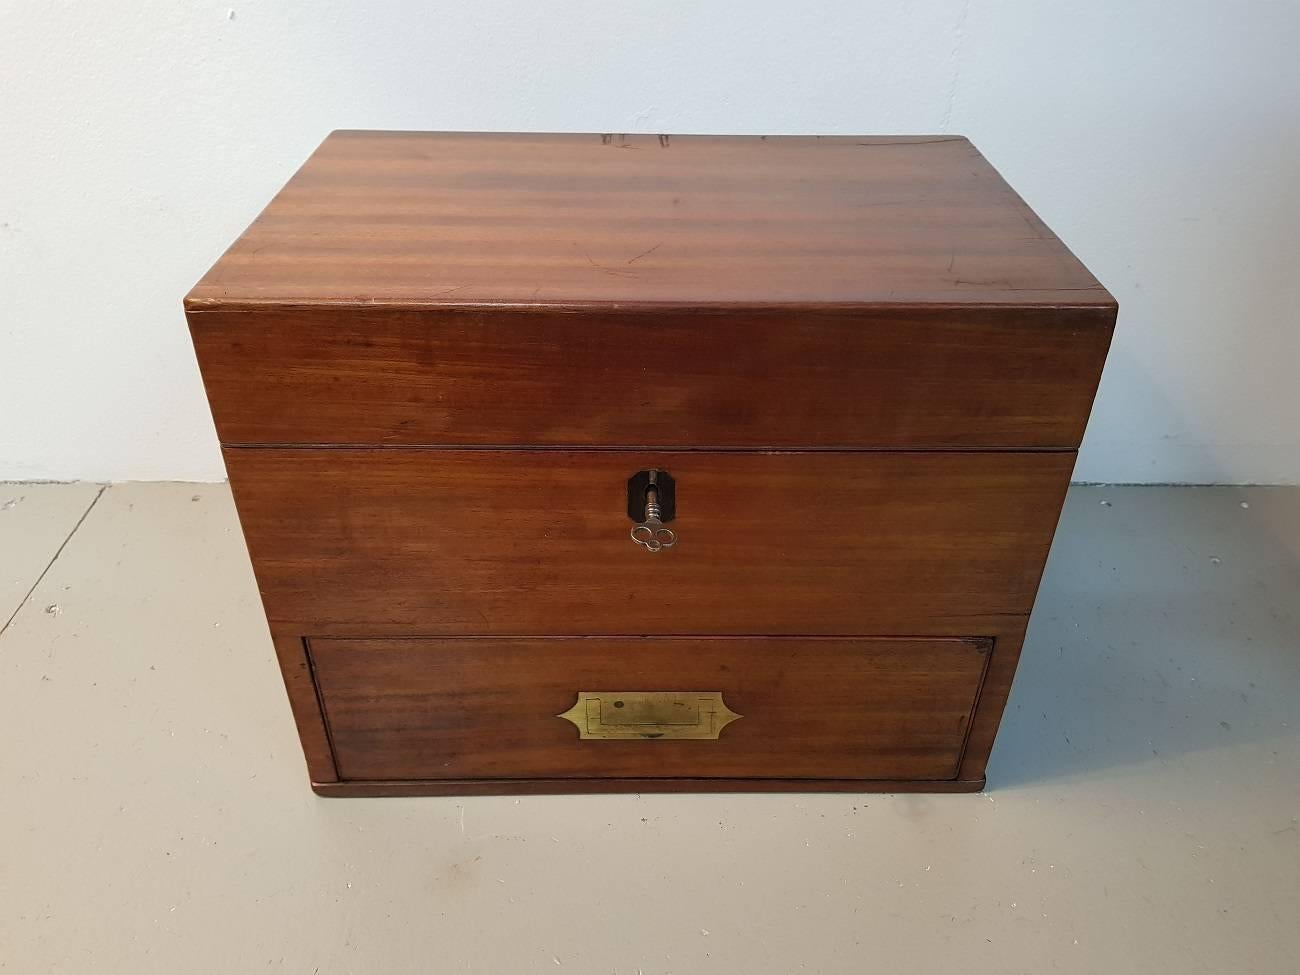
(377, 542)
(674, 708)
(807, 379)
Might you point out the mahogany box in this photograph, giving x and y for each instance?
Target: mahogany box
(608, 463)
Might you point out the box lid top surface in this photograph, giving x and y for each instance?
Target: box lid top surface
(412, 219)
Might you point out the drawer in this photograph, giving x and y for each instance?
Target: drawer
(492, 708)
(883, 378)
(470, 542)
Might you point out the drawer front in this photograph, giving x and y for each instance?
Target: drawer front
(377, 542)
(945, 377)
(809, 708)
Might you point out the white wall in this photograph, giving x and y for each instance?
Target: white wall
(1161, 140)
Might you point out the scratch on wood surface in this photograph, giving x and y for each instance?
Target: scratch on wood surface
(987, 282)
(607, 139)
(609, 270)
(449, 291)
(645, 253)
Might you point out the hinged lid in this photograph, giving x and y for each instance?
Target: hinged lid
(469, 220)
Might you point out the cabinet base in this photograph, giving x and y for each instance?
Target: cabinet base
(512, 787)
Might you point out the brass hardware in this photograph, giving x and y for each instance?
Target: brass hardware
(651, 533)
(634, 715)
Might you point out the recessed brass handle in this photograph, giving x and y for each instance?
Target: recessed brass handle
(649, 715)
(651, 533)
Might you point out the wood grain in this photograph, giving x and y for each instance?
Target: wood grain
(300, 685)
(461, 219)
(924, 378)
(994, 694)
(536, 542)
(430, 709)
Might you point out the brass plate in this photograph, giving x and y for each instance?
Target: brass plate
(642, 715)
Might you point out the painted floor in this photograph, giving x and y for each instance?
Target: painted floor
(1142, 815)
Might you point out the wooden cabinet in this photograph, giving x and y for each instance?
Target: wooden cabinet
(859, 367)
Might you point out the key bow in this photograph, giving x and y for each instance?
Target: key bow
(653, 536)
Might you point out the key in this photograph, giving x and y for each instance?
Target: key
(651, 533)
